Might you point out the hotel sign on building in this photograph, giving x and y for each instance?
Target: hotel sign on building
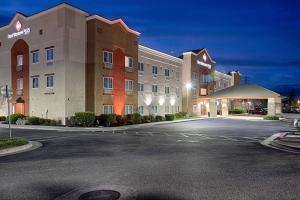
(19, 32)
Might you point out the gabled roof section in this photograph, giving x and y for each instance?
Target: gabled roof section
(196, 52)
(62, 5)
(122, 23)
(245, 91)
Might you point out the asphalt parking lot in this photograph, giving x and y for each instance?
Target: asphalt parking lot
(204, 159)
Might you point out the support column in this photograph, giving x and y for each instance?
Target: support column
(271, 107)
(225, 106)
(213, 107)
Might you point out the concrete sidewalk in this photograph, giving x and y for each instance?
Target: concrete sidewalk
(95, 129)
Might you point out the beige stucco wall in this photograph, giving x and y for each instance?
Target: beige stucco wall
(163, 61)
(65, 29)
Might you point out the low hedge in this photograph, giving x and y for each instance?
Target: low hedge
(106, 119)
(85, 119)
(181, 115)
(159, 118)
(14, 118)
(169, 117)
(2, 118)
(8, 143)
(271, 118)
(34, 120)
(236, 111)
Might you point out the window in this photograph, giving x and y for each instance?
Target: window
(154, 71)
(177, 91)
(167, 90)
(20, 84)
(167, 109)
(19, 60)
(107, 57)
(195, 108)
(194, 92)
(35, 82)
(49, 54)
(141, 110)
(107, 109)
(128, 85)
(154, 109)
(177, 75)
(154, 88)
(35, 57)
(167, 73)
(141, 67)
(206, 78)
(195, 76)
(50, 81)
(140, 87)
(108, 83)
(128, 109)
(128, 62)
(203, 91)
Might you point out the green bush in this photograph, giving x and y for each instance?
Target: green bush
(169, 117)
(2, 118)
(152, 118)
(236, 111)
(129, 122)
(159, 118)
(181, 115)
(137, 118)
(15, 117)
(106, 119)
(145, 119)
(86, 119)
(34, 120)
(271, 118)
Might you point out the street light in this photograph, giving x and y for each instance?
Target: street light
(7, 94)
(188, 86)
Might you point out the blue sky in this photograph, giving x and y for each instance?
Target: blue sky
(261, 38)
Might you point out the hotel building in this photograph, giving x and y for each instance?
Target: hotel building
(63, 60)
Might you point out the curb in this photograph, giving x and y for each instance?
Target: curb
(32, 145)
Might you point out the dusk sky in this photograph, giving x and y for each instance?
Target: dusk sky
(261, 38)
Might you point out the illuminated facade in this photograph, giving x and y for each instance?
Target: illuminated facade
(63, 60)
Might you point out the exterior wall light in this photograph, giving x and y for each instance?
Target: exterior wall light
(172, 101)
(148, 101)
(161, 101)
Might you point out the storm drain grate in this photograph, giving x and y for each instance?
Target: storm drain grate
(100, 195)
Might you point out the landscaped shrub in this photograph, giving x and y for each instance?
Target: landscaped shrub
(181, 115)
(271, 118)
(86, 119)
(14, 118)
(152, 118)
(106, 119)
(136, 118)
(159, 118)
(120, 120)
(236, 111)
(145, 119)
(169, 117)
(2, 118)
(34, 120)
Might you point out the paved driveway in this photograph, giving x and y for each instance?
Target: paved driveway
(204, 159)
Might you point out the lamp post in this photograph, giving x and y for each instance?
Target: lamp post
(188, 86)
(7, 93)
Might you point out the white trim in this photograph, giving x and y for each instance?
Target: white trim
(111, 22)
(160, 61)
(196, 54)
(160, 54)
(63, 5)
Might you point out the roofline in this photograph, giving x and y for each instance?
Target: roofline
(196, 54)
(98, 17)
(224, 74)
(160, 54)
(46, 11)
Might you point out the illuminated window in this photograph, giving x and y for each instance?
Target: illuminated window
(128, 62)
(203, 91)
(19, 60)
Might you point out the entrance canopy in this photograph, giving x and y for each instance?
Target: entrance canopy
(245, 91)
